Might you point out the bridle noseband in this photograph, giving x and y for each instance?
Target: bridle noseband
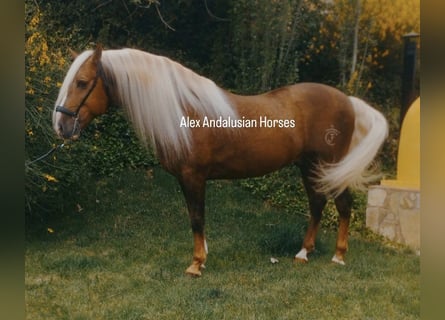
(75, 114)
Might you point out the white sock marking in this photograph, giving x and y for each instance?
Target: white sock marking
(302, 254)
(337, 260)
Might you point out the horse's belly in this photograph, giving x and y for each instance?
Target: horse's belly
(259, 157)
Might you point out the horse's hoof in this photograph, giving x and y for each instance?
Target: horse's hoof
(300, 260)
(193, 271)
(193, 274)
(338, 260)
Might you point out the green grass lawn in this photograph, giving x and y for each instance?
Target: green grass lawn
(122, 252)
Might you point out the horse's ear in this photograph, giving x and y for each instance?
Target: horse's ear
(97, 54)
(73, 53)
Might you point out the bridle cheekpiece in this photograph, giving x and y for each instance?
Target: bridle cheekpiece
(75, 114)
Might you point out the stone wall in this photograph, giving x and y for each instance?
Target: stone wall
(395, 213)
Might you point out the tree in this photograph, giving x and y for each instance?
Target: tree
(265, 40)
(365, 39)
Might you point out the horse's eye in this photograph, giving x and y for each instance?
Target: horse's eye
(81, 84)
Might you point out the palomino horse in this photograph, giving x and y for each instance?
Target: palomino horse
(200, 131)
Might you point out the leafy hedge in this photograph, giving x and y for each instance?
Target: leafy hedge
(284, 188)
(241, 45)
(106, 147)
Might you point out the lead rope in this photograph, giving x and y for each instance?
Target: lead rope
(59, 146)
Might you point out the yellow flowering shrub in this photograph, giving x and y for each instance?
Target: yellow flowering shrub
(43, 62)
(381, 26)
(49, 182)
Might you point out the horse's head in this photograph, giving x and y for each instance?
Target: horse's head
(83, 95)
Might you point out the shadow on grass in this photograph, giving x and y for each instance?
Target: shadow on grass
(124, 254)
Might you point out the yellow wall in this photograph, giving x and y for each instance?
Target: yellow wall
(408, 159)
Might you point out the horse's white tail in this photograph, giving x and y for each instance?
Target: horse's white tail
(371, 130)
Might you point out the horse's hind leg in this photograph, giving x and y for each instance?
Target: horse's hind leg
(317, 202)
(343, 203)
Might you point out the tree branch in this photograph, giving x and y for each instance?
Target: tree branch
(212, 15)
(162, 19)
(358, 10)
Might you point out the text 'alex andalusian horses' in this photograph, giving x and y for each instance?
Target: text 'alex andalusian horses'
(200, 131)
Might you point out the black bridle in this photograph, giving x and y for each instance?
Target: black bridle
(99, 74)
(75, 114)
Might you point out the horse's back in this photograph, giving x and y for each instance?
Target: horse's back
(320, 123)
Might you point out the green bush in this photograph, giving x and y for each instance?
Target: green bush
(256, 48)
(285, 189)
(106, 148)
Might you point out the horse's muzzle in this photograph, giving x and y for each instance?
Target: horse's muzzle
(68, 128)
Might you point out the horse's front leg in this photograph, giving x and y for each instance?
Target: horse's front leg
(193, 187)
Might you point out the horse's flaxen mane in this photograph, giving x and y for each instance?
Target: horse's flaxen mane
(156, 91)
